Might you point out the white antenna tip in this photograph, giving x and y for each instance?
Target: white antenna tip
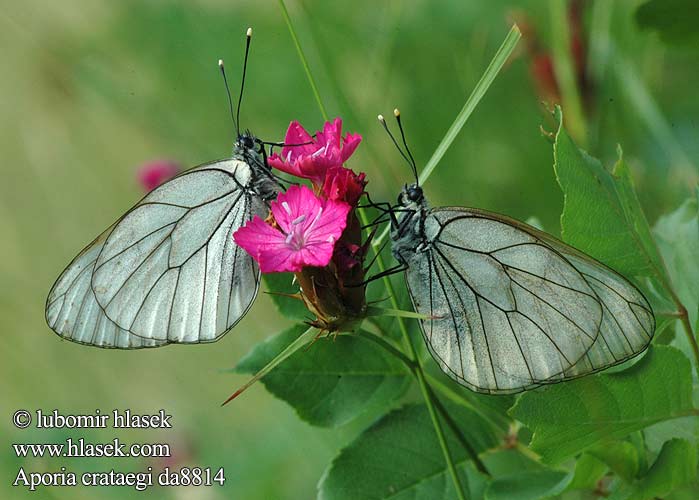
(220, 63)
(396, 112)
(380, 117)
(248, 33)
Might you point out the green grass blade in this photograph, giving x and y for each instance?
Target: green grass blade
(297, 344)
(479, 91)
(564, 69)
(304, 61)
(396, 313)
(496, 64)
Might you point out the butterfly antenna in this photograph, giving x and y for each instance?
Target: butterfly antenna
(228, 93)
(248, 37)
(396, 113)
(382, 121)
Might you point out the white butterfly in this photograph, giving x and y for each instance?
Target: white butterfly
(168, 271)
(510, 307)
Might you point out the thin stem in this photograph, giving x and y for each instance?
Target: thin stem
(489, 416)
(663, 276)
(419, 374)
(412, 366)
(684, 319)
(304, 62)
(457, 432)
(564, 69)
(384, 344)
(669, 314)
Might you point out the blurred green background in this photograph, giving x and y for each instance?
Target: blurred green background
(93, 89)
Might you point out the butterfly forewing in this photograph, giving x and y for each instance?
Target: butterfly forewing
(512, 308)
(168, 271)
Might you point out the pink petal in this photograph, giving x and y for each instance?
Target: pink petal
(350, 144)
(296, 134)
(277, 259)
(329, 225)
(343, 184)
(310, 227)
(297, 201)
(257, 234)
(315, 255)
(277, 162)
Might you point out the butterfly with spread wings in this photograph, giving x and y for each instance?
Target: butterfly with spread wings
(508, 307)
(168, 271)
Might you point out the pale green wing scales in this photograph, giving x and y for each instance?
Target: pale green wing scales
(512, 308)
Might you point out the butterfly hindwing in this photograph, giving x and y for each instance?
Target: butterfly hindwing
(73, 312)
(512, 308)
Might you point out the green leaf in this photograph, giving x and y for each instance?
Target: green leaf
(677, 235)
(665, 331)
(588, 471)
(399, 457)
(492, 408)
(675, 467)
(289, 307)
(528, 485)
(620, 456)
(601, 213)
(674, 20)
(510, 461)
(521, 477)
(681, 428)
(332, 381)
(568, 418)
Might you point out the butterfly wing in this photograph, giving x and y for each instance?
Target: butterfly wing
(169, 271)
(73, 312)
(512, 308)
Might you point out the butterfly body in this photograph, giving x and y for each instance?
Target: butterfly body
(168, 271)
(509, 307)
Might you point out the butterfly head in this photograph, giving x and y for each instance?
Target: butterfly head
(246, 142)
(411, 197)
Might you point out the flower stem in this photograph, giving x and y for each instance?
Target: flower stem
(435, 384)
(304, 62)
(420, 375)
(457, 432)
(424, 388)
(684, 319)
(496, 420)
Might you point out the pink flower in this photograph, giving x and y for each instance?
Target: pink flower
(307, 228)
(343, 184)
(310, 158)
(152, 174)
